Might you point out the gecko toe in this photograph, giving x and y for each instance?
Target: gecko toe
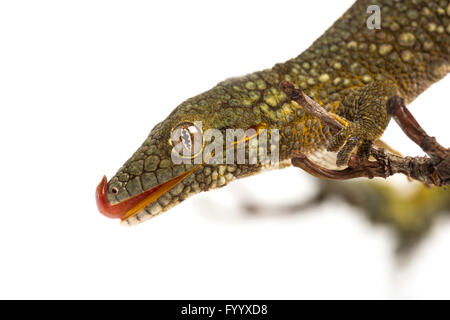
(349, 139)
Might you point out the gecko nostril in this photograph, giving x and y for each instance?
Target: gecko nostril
(114, 190)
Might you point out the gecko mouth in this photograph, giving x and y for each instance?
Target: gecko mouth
(128, 208)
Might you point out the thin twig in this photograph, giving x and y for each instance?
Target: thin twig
(439, 155)
(310, 106)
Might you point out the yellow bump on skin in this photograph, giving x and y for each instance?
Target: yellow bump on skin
(254, 95)
(413, 14)
(427, 45)
(336, 81)
(440, 29)
(303, 85)
(440, 70)
(279, 114)
(372, 47)
(272, 115)
(426, 12)
(274, 91)
(347, 82)
(294, 70)
(250, 85)
(229, 176)
(337, 65)
(366, 78)
(385, 49)
(311, 81)
(352, 45)
(431, 27)
(270, 100)
(448, 10)
(233, 168)
(287, 108)
(264, 107)
(261, 84)
(406, 39)
(362, 46)
(221, 181)
(354, 67)
(281, 96)
(440, 11)
(324, 78)
(394, 26)
(393, 56)
(222, 169)
(247, 102)
(305, 65)
(406, 55)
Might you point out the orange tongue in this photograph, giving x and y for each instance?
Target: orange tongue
(127, 208)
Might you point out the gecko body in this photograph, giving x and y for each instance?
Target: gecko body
(350, 70)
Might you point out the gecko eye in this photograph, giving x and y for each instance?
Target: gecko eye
(187, 139)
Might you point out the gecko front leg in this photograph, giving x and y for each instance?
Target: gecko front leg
(364, 109)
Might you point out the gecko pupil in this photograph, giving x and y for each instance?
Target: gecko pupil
(187, 139)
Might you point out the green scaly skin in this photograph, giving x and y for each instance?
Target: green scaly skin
(350, 70)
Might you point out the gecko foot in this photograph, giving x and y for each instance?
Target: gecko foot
(365, 110)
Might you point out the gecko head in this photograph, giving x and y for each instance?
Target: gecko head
(180, 157)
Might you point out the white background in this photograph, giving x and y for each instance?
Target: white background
(81, 85)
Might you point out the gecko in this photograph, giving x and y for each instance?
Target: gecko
(351, 70)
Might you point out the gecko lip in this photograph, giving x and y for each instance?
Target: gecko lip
(127, 208)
